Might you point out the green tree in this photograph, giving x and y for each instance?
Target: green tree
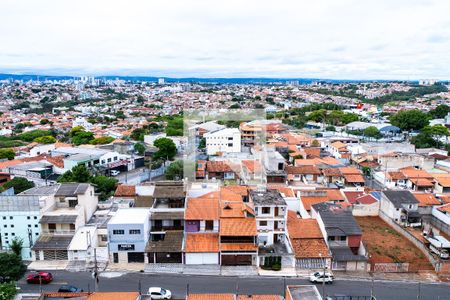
(19, 184)
(440, 111)
(102, 140)
(17, 245)
(7, 153)
(372, 132)
(104, 185)
(83, 137)
(120, 115)
(44, 121)
(77, 174)
(166, 149)
(139, 148)
(8, 291)
(138, 134)
(175, 127)
(48, 139)
(29, 136)
(202, 143)
(11, 266)
(410, 119)
(73, 132)
(175, 170)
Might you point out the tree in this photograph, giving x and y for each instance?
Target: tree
(166, 148)
(102, 140)
(372, 132)
(315, 143)
(77, 174)
(7, 153)
(8, 291)
(436, 132)
(17, 245)
(440, 111)
(138, 134)
(120, 114)
(29, 136)
(73, 132)
(202, 143)
(48, 139)
(82, 137)
(410, 119)
(139, 148)
(104, 185)
(44, 121)
(175, 170)
(175, 127)
(11, 266)
(19, 184)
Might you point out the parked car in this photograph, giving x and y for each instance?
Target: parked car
(159, 293)
(115, 173)
(69, 289)
(40, 277)
(320, 277)
(339, 184)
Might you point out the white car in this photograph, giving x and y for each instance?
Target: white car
(115, 173)
(319, 277)
(159, 293)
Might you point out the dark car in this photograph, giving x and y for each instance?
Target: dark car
(69, 289)
(40, 277)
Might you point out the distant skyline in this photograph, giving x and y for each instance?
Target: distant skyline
(346, 39)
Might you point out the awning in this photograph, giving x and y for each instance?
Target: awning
(65, 219)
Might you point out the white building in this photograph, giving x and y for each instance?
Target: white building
(128, 234)
(225, 140)
(80, 121)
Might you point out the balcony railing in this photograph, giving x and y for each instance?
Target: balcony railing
(57, 232)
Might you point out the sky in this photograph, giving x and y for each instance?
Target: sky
(344, 39)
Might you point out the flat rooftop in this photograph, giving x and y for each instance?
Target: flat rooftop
(130, 216)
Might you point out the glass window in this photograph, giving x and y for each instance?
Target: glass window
(118, 231)
(135, 231)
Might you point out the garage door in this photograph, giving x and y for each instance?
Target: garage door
(135, 257)
(236, 260)
(202, 259)
(55, 255)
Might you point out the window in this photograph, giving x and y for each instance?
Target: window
(4, 218)
(6, 234)
(28, 217)
(135, 231)
(29, 225)
(104, 238)
(209, 225)
(5, 225)
(35, 226)
(35, 218)
(262, 223)
(109, 159)
(230, 145)
(10, 218)
(118, 231)
(266, 210)
(12, 225)
(13, 234)
(115, 158)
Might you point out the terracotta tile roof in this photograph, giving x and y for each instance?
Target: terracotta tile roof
(202, 209)
(238, 247)
(353, 195)
(202, 242)
(259, 297)
(307, 162)
(445, 198)
(253, 166)
(218, 167)
(354, 178)
(350, 171)
(235, 210)
(57, 161)
(411, 172)
(210, 297)
(338, 145)
(284, 191)
(331, 172)
(238, 226)
(241, 190)
(333, 194)
(113, 296)
(310, 248)
(308, 169)
(312, 152)
(302, 228)
(124, 190)
(422, 182)
(366, 199)
(331, 161)
(395, 175)
(445, 208)
(426, 199)
(443, 179)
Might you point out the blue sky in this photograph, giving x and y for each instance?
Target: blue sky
(345, 39)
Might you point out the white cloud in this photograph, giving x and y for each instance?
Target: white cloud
(352, 39)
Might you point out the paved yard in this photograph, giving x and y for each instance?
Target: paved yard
(385, 245)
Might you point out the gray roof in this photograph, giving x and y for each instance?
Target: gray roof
(167, 215)
(267, 198)
(304, 292)
(338, 221)
(173, 241)
(345, 254)
(53, 242)
(64, 219)
(398, 198)
(169, 189)
(41, 190)
(72, 189)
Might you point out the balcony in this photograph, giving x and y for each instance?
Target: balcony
(57, 232)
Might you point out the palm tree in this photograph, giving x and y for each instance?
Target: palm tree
(16, 246)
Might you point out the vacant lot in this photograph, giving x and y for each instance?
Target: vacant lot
(385, 245)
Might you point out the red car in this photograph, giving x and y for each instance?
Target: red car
(40, 277)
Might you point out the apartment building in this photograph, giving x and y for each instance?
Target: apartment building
(227, 140)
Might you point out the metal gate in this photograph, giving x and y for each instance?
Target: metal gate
(55, 255)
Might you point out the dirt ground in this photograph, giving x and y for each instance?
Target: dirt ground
(385, 245)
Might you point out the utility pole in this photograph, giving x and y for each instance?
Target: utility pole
(418, 292)
(95, 273)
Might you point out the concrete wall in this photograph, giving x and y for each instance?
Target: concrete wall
(362, 210)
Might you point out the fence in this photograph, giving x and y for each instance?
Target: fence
(391, 267)
(412, 239)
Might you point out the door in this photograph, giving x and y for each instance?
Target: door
(236, 260)
(136, 257)
(115, 258)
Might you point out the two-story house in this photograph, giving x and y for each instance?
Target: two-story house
(70, 207)
(342, 235)
(167, 223)
(201, 244)
(128, 234)
(402, 207)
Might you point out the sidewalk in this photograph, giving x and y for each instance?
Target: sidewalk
(285, 272)
(39, 265)
(421, 276)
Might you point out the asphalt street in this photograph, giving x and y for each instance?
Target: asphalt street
(178, 284)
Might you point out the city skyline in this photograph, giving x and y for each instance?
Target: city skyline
(403, 40)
